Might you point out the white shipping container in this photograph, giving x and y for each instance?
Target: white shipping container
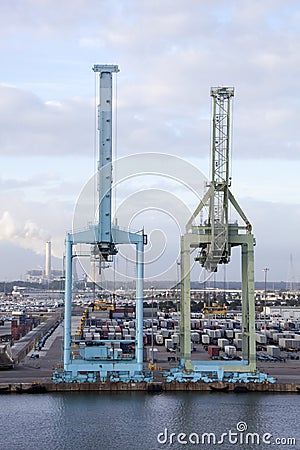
(164, 332)
(277, 336)
(155, 354)
(230, 350)
(261, 338)
(273, 350)
(175, 338)
(168, 343)
(229, 334)
(214, 334)
(289, 343)
(159, 339)
(222, 342)
(205, 339)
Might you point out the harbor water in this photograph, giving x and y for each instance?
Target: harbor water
(139, 421)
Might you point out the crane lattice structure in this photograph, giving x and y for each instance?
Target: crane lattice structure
(214, 241)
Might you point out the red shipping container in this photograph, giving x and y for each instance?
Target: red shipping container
(213, 350)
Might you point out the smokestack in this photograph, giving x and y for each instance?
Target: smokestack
(48, 260)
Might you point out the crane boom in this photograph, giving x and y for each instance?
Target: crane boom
(218, 211)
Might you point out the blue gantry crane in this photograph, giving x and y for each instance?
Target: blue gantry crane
(98, 362)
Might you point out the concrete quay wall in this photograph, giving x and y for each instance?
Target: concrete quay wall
(6, 388)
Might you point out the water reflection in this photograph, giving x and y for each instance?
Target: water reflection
(125, 421)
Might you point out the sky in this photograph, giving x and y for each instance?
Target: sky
(170, 52)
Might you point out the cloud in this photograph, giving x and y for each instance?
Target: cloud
(31, 126)
(29, 224)
(27, 231)
(275, 227)
(169, 55)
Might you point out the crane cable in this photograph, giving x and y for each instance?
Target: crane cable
(114, 177)
(95, 145)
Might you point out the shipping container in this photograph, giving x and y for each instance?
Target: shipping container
(222, 342)
(195, 337)
(155, 354)
(238, 343)
(175, 339)
(286, 343)
(273, 350)
(165, 333)
(213, 350)
(205, 339)
(159, 339)
(229, 334)
(168, 344)
(261, 338)
(230, 350)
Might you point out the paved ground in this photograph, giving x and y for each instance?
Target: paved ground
(38, 369)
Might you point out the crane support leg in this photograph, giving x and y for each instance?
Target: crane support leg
(68, 300)
(245, 302)
(139, 303)
(248, 302)
(185, 305)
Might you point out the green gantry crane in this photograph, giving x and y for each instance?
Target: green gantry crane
(214, 241)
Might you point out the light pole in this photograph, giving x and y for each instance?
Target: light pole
(266, 269)
(152, 339)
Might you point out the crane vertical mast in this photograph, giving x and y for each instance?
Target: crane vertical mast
(105, 244)
(220, 176)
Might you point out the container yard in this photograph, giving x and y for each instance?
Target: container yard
(283, 365)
